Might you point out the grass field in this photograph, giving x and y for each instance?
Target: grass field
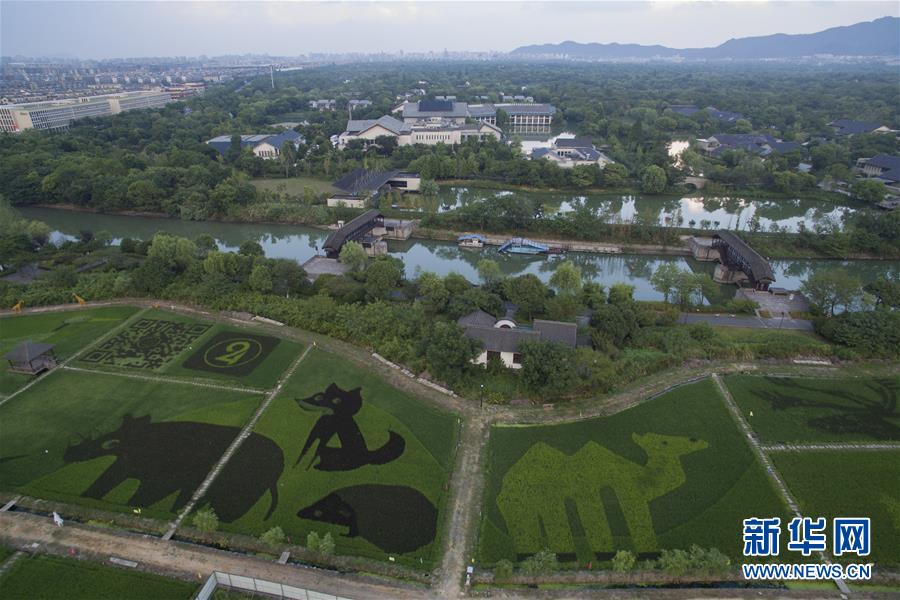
(669, 473)
(295, 186)
(69, 330)
(43, 577)
(61, 439)
(849, 484)
(819, 410)
(374, 473)
(174, 345)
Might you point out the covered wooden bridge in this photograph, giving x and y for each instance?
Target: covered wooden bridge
(737, 255)
(354, 230)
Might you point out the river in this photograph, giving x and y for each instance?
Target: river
(697, 212)
(300, 243)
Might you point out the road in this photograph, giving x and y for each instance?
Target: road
(726, 320)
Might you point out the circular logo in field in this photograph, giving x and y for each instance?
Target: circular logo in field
(233, 352)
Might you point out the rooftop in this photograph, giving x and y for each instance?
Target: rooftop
(27, 351)
(850, 127)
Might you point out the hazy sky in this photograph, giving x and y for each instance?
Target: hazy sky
(132, 29)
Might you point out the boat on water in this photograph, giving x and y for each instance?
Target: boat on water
(523, 246)
(471, 240)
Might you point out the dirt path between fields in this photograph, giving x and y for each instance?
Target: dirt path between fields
(188, 562)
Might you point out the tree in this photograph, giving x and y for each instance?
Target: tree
(176, 253)
(615, 323)
(885, 291)
(566, 279)
(548, 368)
(869, 190)
(528, 292)
(621, 293)
(288, 278)
(273, 537)
(541, 563)
(653, 180)
(326, 545)
(429, 188)
(448, 351)
(433, 292)
(830, 289)
(664, 278)
(489, 271)
(288, 157)
(675, 562)
(354, 256)
(251, 248)
(206, 520)
(615, 175)
(312, 541)
(382, 276)
(261, 279)
(623, 561)
(503, 570)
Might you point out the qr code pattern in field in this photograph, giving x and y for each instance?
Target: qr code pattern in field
(148, 344)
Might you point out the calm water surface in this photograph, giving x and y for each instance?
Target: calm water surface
(300, 243)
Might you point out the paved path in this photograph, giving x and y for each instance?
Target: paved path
(244, 434)
(190, 562)
(9, 562)
(754, 322)
(830, 446)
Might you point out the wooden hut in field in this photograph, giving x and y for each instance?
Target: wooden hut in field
(31, 358)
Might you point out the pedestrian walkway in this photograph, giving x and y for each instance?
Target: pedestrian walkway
(878, 446)
(161, 379)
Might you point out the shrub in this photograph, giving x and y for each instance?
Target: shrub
(541, 563)
(503, 570)
(312, 541)
(206, 520)
(273, 538)
(623, 561)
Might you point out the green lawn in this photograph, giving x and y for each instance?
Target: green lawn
(819, 410)
(295, 186)
(5, 553)
(69, 330)
(262, 373)
(79, 412)
(44, 577)
(669, 473)
(390, 495)
(849, 484)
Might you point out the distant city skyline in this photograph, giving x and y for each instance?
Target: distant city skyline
(101, 30)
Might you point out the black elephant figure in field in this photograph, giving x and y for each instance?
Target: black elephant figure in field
(176, 456)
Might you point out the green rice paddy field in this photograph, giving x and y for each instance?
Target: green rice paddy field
(44, 577)
(380, 494)
(69, 331)
(782, 409)
(668, 473)
(849, 484)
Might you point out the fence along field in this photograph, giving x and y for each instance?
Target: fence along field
(669, 473)
(797, 410)
(362, 461)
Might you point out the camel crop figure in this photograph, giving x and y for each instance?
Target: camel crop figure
(536, 490)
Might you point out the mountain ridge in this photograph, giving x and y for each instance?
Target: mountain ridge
(880, 37)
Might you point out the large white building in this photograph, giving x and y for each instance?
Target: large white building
(429, 133)
(523, 116)
(264, 145)
(59, 114)
(572, 152)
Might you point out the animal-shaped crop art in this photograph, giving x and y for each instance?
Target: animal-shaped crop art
(339, 422)
(546, 491)
(176, 456)
(854, 413)
(394, 518)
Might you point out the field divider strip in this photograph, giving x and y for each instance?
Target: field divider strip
(161, 379)
(764, 459)
(244, 434)
(863, 447)
(127, 322)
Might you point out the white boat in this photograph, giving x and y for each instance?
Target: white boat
(471, 240)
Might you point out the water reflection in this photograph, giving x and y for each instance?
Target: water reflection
(300, 243)
(698, 212)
